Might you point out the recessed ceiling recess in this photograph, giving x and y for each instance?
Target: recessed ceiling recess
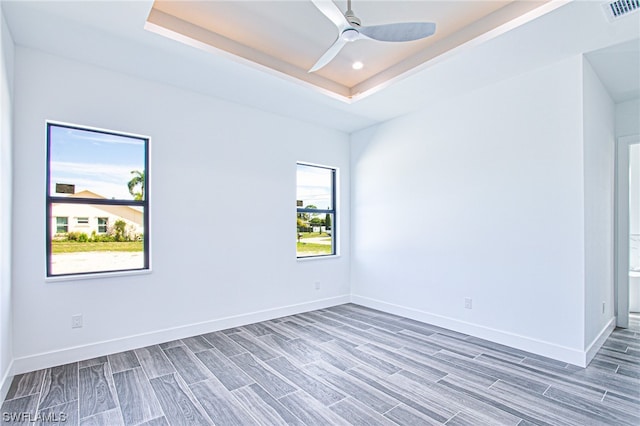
(286, 38)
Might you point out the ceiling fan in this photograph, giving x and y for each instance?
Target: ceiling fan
(349, 29)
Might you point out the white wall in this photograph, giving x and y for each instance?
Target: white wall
(634, 200)
(481, 197)
(628, 118)
(6, 112)
(599, 165)
(212, 162)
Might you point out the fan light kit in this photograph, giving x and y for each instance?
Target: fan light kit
(350, 29)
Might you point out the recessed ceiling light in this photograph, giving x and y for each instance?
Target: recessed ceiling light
(357, 65)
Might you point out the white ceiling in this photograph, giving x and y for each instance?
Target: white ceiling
(111, 34)
(290, 36)
(618, 67)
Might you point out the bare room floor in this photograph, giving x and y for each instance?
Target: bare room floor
(343, 365)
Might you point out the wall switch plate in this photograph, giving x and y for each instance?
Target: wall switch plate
(76, 321)
(468, 303)
(317, 284)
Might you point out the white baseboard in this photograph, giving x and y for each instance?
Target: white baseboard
(5, 382)
(597, 343)
(79, 353)
(539, 347)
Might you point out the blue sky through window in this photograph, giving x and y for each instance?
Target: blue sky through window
(91, 160)
(314, 186)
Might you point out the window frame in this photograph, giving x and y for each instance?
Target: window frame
(105, 224)
(50, 200)
(59, 225)
(332, 211)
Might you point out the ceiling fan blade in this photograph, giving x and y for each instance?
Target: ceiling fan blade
(329, 54)
(405, 31)
(331, 11)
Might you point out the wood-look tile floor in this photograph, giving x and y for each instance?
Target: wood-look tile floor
(337, 366)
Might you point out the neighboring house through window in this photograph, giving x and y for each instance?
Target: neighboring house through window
(99, 179)
(316, 210)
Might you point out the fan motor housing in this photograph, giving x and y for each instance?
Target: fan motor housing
(352, 18)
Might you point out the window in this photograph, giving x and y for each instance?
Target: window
(62, 225)
(100, 178)
(316, 210)
(102, 225)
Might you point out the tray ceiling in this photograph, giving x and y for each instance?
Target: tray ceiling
(288, 37)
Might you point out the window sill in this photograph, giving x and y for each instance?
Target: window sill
(97, 275)
(311, 258)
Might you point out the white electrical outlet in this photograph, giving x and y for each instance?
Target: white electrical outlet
(76, 321)
(317, 284)
(468, 303)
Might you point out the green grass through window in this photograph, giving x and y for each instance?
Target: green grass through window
(58, 247)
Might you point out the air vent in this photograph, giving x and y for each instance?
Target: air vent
(619, 8)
